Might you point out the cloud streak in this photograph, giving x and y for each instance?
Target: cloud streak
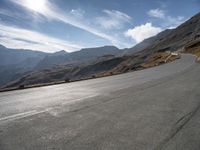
(113, 20)
(53, 12)
(157, 13)
(14, 37)
(167, 20)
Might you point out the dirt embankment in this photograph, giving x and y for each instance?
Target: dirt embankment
(194, 48)
(160, 58)
(154, 60)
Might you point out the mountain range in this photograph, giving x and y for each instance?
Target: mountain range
(26, 67)
(15, 63)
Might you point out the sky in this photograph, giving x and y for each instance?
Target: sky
(70, 25)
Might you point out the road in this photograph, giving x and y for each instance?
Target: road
(156, 108)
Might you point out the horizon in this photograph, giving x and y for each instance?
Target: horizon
(62, 50)
(55, 26)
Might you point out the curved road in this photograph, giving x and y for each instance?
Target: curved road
(156, 108)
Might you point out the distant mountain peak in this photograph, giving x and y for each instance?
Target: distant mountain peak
(2, 46)
(101, 47)
(61, 52)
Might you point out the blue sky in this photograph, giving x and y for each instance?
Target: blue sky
(53, 25)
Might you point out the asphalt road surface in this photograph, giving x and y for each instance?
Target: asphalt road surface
(156, 108)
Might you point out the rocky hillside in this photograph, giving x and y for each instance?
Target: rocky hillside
(194, 48)
(77, 57)
(15, 63)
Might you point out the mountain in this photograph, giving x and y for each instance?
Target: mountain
(170, 39)
(174, 39)
(84, 55)
(92, 63)
(54, 59)
(15, 63)
(91, 53)
(148, 42)
(15, 56)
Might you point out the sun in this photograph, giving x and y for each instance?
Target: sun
(36, 5)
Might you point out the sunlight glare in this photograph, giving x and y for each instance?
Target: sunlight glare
(36, 5)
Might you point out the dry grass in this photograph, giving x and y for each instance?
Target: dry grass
(160, 58)
(194, 48)
(197, 52)
(155, 60)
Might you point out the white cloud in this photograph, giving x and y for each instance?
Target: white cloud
(158, 13)
(14, 37)
(139, 33)
(113, 19)
(53, 13)
(167, 20)
(18, 16)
